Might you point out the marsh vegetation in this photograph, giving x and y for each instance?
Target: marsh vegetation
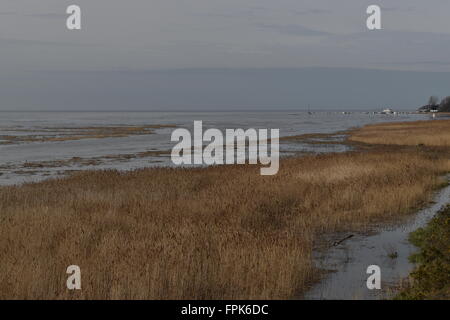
(221, 232)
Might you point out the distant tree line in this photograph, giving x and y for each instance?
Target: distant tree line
(435, 106)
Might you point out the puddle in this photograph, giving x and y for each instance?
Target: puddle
(389, 249)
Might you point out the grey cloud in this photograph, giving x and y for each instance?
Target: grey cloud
(312, 11)
(47, 15)
(410, 38)
(295, 30)
(10, 41)
(35, 42)
(425, 63)
(235, 13)
(397, 9)
(161, 34)
(222, 89)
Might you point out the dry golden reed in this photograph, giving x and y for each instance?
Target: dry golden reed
(217, 233)
(428, 133)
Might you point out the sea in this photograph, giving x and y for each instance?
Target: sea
(23, 161)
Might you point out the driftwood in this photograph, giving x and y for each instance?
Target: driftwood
(336, 243)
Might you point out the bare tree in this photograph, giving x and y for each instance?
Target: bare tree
(445, 105)
(433, 101)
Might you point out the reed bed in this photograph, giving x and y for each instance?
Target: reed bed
(434, 133)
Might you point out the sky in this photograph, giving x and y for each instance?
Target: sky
(222, 55)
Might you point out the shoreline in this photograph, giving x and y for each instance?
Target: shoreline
(404, 248)
(387, 246)
(229, 226)
(35, 161)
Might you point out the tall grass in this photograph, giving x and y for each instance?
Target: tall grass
(428, 133)
(218, 233)
(430, 279)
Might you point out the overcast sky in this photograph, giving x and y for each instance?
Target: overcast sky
(134, 54)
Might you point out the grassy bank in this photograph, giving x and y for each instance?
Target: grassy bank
(219, 232)
(431, 278)
(427, 133)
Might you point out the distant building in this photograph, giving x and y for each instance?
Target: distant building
(429, 108)
(387, 111)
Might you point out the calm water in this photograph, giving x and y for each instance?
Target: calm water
(349, 260)
(14, 156)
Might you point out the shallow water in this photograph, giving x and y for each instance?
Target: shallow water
(14, 156)
(350, 259)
